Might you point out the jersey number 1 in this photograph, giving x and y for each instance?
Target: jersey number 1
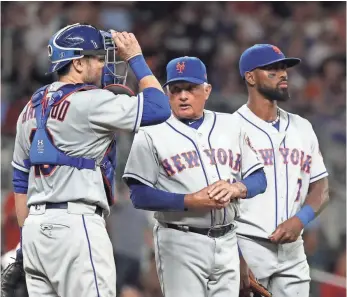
(45, 170)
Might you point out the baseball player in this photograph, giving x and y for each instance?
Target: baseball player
(270, 226)
(64, 160)
(192, 169)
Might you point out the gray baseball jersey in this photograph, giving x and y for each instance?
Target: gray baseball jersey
(82, 125)
(177, 158)
(292, 160)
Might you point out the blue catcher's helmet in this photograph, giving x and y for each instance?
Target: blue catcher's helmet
(79, 40)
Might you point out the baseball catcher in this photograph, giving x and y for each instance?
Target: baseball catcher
(13, 275)
(65, 144)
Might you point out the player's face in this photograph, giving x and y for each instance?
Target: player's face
(272, 82)
(187, 100)
(93, 67)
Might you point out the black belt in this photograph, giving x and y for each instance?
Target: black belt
(210, 232)
(64, 205)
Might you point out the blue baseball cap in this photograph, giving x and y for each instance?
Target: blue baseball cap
(260, 55)
(189, 69)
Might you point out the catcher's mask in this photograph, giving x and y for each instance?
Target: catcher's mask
(115, 71)
(79, 40)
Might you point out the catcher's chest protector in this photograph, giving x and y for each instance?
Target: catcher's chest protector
(44, 152)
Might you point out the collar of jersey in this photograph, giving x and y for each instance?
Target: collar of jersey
(193, 123)
(251, 117)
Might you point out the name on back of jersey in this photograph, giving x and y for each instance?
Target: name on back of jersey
(58, 112)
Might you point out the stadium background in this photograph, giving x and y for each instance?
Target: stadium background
(217, 33)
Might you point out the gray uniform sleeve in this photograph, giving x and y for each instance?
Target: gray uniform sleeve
(21, 152)
(142, 164)
(250, 160)
(109, 112)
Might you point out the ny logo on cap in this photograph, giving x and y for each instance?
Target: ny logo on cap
(276, 50)
(180, 67)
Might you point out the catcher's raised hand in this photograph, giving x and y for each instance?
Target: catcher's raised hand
(288, 231)
(127, 44)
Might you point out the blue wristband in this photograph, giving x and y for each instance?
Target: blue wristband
(139, 67)
(306, 214)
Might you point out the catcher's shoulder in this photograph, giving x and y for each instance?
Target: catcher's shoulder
(98, 93)
(105, 94)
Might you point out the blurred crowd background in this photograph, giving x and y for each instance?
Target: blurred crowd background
(217, 33)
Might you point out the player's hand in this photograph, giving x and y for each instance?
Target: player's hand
(201, 200)
(288, 231)
(127, 45)
(245, 283)
(223, 191)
